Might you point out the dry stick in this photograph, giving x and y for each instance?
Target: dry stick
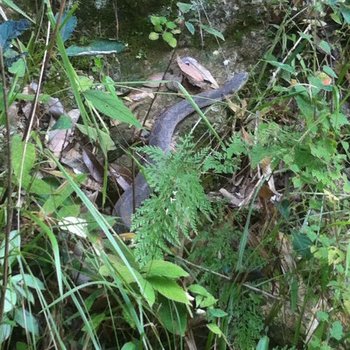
(115, 7)
(9, 190)
(54, 34)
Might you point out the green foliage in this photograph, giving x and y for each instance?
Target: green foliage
(164, 28)
(178, 198)
(188, 16)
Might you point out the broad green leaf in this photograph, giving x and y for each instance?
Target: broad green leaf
(168, 288)
(10, 300)
(38, 186)
(17, 156)
(283, 66)
(198, 289)
(190, 27)
(212, 31)
(214, 329)
(18, 68)
(59, 195)
(335, 17)
(129, 277)
(305, 107)
(64, 122)
(158, 20)
(184, 7)
(14, 251)
(302, 244)
(111, 106)
(66, 210)
(105, 140)
(153, 36)
(85, 83)
(129, 346)
(263, 343)
(322, 316)
(149, 293)
(325, 46)
(164, 268)
(11, 30)
(169, 38)
(170, 25)
(330, 71)
(28, 280)
(24, 293)
(204, 302)
(97, 47)
(345, 11)
(336, 331)
(218, 313)
(68, 26)
(173, 316)
(5, 331)
(27, 321)
(338, 120)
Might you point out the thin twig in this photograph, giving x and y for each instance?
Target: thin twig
(54, 34)
(9, 190)
(115, 7)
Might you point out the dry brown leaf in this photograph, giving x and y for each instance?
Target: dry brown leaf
(195, 72)
(58, 139)
(94, 166)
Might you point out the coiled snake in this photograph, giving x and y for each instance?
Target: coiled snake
(161, 136)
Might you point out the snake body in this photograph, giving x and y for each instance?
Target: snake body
(161, 136)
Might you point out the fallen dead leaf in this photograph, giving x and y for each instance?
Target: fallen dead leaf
(195, 72)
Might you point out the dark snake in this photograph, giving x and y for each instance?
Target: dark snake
(161, 136)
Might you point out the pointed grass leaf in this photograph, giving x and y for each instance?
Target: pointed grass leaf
(111, 106)
(13, 6)
(212, 31)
